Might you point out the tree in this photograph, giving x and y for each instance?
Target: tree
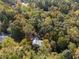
(28, 29)
(62, 43)
(65, 7)
(5, 18)
(46, 26)
(72, 47)
(1, 27)
(77, 53)
(73, 32)
(44, 4)
(67, 54)
(10, 1)
(16, 27)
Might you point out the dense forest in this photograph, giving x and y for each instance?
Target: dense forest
(53, 22)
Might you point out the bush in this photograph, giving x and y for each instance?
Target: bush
(8, 42)
(62, 43)
(72, 47)
(10, 53)
(67, 54)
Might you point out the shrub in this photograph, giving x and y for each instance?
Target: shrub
(72, 47)
(67, 54)
(8, 42)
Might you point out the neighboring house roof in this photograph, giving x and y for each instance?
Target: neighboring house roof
(2, 37)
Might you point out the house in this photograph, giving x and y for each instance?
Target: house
(36, 41)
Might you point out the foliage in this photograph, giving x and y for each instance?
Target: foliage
(55, 22)
(8, 42)
(72, 47)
